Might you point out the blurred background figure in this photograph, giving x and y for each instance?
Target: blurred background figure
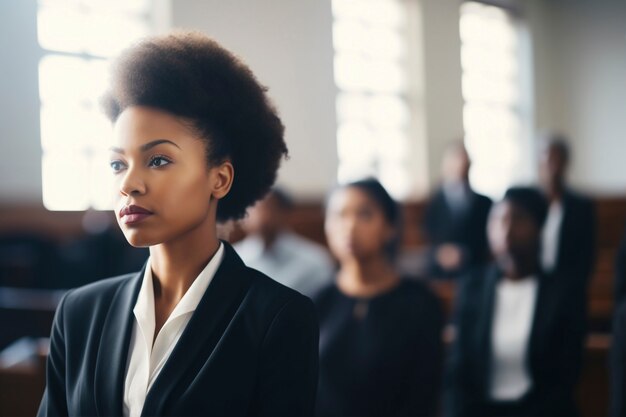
(569, 234)
(519, 333)
(380, 335)
(619, 280)
(455, 219)
(273, 249)
(618, 363)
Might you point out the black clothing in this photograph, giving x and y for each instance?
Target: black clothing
(249, 349)
(465, 227)
(380, 356)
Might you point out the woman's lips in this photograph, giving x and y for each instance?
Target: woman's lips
(134, 214)
(134, 218)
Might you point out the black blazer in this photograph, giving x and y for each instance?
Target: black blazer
(554, 353)
(577, 240)
(467, 229)
(250, 348)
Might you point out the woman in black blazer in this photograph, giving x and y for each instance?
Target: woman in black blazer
(518, 332)
(195, 332)
(381, 347)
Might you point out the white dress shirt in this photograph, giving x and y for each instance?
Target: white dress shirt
(145, 359)
(512, 323)
(292, 260)
(550, 236)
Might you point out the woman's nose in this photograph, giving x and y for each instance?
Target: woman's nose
(132, 183)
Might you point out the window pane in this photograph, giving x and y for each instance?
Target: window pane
(65, 177)
(370, 73)
(70, 38)
(491, 90)
(72, 81)
(75, 134)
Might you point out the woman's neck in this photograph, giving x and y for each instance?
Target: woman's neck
(366, 278)
(176, 264)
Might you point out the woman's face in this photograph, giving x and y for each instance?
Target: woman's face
(163, 184)
(356, 227)
(513, 234)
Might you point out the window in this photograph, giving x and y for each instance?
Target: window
(373, 115)
(77, 37)
(495, 112)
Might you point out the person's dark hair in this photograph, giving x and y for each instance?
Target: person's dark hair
(191, 76)
(530, 200)
(389, 207)
(559, 143)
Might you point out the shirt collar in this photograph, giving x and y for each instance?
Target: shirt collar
(144, 307)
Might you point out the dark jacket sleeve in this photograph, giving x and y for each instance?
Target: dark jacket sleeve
(288, 363)
(557, 370)
(618, 364)
(587, 255)
(53, 402)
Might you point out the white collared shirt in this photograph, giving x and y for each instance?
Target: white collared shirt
(514, 311)
(550, 236)
(145, 359)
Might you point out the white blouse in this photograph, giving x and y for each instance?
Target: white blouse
(514, 311)
(145, 360)
(551, 236)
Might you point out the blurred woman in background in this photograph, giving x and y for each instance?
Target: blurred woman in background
(519, 333)
(380, 335)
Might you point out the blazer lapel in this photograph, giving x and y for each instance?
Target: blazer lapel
(113, 349)
(207, 325)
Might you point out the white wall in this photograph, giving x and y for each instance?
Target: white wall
(580, 80)
(288, 45)
(20, 162)
(443, 104)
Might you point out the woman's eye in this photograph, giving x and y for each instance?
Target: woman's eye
(117, 166)
(159, 161)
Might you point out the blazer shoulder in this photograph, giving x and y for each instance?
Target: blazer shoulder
(579, 199)
(271, 293)
(483, 200)
(96, 293)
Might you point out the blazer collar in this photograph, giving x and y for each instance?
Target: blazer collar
(204, 330)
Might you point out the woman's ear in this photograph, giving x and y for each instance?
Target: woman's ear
(222, 177)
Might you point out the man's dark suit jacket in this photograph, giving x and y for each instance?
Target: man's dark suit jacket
(250, 349)
(554, 352)
(467, 229)
(577, 240)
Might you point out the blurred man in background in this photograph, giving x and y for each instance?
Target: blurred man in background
(273, 249)
(455, 219)
(568, 239)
